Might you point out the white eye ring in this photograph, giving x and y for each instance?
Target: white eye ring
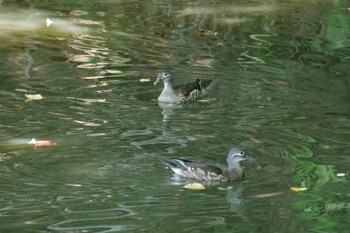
(241, 153)
(165, 74)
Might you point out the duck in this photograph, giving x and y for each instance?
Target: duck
(188, 92)
(202, 171)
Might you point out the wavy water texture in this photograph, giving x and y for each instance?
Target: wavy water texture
(279, 89)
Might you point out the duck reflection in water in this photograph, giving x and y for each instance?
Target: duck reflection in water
(167, 110)
(233, 198)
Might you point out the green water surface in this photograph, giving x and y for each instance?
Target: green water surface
(280, 89)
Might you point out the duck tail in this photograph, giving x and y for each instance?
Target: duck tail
(168, 163)
(204, 83)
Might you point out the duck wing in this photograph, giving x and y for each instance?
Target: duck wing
(191, 169)
(187, 88)
(198, 85)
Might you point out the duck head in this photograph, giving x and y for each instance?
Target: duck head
(235, 155)
(162, 77)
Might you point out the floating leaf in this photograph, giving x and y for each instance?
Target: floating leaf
(196, 186)
(114, 71)
(45, 143)
(145, 80)
(85, 123)
(225, 189)
(203, 100)
(341, 174)
(20, 90)
(42, 143)
(96, 134)
(31, 97)
(266, 195)
(88, 101)
(296, 189)
(91, 101)
(93, 77)
(73, 185)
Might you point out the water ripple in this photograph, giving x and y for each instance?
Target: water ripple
(27, 206)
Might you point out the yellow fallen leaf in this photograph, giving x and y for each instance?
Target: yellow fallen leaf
(31, 97)
(196, 186)
(296, 189)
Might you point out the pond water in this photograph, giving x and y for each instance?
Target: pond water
(280, 89)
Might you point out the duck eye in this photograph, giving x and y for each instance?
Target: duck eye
(165, 74)
(241, 153)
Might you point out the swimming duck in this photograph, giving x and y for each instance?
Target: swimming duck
(200, 171)
(185, 93)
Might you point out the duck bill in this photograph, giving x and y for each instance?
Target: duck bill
(158, 80)
(249, 158)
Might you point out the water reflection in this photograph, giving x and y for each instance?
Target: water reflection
(163, 136)
(228, 9)
(168, 110)
(167, 137)
(19, 22)
(282, 89)
(233, 198)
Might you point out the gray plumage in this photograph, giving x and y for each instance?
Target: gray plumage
(200, 171)
(185, 93)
